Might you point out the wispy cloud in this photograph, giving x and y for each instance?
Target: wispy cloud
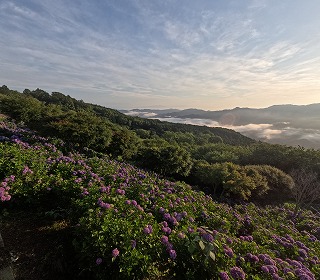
(141, 53)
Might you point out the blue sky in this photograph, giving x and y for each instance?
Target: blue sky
(123, 54)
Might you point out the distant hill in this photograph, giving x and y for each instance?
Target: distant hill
(298, 115)
(69, 104)
(281, 124)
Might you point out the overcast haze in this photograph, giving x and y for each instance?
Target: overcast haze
(164, 54)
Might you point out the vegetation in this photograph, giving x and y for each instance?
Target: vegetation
(219, 161)
(306, 187)
(79, 162)
(127, 223)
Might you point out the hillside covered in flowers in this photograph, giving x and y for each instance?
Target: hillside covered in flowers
(222, 163)
(127, 223)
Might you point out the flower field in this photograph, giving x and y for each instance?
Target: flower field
(131, 224)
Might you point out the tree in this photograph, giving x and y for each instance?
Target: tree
(166, 159)
(229, 180)
(279, 184)
(237, 183)
(207, 176)
(306, 188)
(175, 160)
(22, 108)
(82, 128)
(217, 153)
(124, 144)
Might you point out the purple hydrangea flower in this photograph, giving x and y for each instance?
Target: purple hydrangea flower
(291, 240)
(166, 230)
(295, 263)
(269, 269)
(286, 270)
(190, 230)
(229, 240)
(207, 237)
(120, 191)
(103, 189)
(179, 217)
(98, 261)
(252, 258)
(228, 251)
(173, 254)
(269, 261)
(115, 253)
(140, 208)
(27, 170)
(303, 253)
(133, 243)
(237, 273)
(134, 203)
(167, 216)
(147, 229)
(224, 275)
(169, 246)
(164, 239)
(78, 180)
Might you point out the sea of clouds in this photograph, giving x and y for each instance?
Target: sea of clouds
(276, 133)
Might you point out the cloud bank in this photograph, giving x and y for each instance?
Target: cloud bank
(279, 133)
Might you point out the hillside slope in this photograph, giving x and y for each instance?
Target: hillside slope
(128, 223)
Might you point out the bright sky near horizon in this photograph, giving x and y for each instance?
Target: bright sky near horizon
(128, 54)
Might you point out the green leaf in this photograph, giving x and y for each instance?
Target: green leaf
(212, 256)
(197, 238)
(191, 248)
(209, 248)
(201, 244)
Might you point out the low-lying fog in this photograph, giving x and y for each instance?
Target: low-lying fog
(285, 132)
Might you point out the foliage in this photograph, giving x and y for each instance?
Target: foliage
(233, 165)
(164, 158)
(124, 144)
(230, 180)
(131, 224)
(218, 153)
(22, 108)
(282, 157)
(82, 128)
(279, 184)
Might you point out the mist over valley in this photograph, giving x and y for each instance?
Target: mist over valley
(294, 125)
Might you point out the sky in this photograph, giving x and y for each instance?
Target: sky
(124, 54)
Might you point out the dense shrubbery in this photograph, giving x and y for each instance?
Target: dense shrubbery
(131, 224)
(173, 150)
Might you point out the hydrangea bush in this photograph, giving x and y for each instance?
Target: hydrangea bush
(131, 224)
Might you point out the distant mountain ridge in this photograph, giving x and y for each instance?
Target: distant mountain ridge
(307, 116)
(295, 125)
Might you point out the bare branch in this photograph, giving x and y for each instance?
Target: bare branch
(307, 187)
